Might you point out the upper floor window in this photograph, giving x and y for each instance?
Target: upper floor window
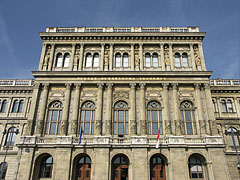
(155, 60)
(195, 165)
(87, 117)
(17, 106)
(11, 136)
(181, 60)
(120, 118)
(151, 60)
(188, 118)
(233, 136)
(54, 118)
(92, 61)
(227, 106)
(147, 60)
(154, 117)
(59, 60)
(96, 60)
(62, 60)
(46, 167)
(3, 105)
(121, 61)
(66, 60)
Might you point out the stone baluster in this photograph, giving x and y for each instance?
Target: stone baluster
(43, 106)
(33, 110)
(141, 56)
(40, 67)
(80, 65)
(176, 118)
(72, 57)
(74, 124)
(201, 125)
(65, 114)
(143, 127)
(109, 110)
(192, 57)
(132, 57)
(162, 56)
(98, 119)
(166, 113)
(132, 113)
(51, 61)
(202, 56)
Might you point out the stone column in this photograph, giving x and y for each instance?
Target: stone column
(141, 56)
(80, 65)
(162, 56)
(65, 113)
(51, 64)
(98, 119)
(210, 112)
(43, 106)
(237, 104)
(192, 57)
(72, 57)
(109, 110)
(201, 125)
(102, 57)
(132, 113)
(176, 118)
(42, 56)
(143, 127)
(33, 110)
(132, 57)
(202, 56)
(111, 58)
(171, 57)
(74, 124)
(166, 113)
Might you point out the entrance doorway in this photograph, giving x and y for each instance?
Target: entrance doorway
(120, 168)
(157, 168)
(83, 168)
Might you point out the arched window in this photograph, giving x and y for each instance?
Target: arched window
(120, 118)
(15, 106)
(96, 60)
(11, 136)
(157, 168)
(3, 106)
(154, 117)
(46, 167)
(87, 117)
(54, 118)
(177, 60)
(147, 60)
(229, 106)
(59, 60)
(188, 118)
(84, 168)
(120, 165)
(233, 137)
(184, 60)
(125, 60)
(155, 60)
(3, 170)
(224, 106)
(195, 166)
(88, 60)
(118, 60)
(66, 60)
(20, 107)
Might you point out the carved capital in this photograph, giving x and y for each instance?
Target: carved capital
(100, 86)
(142, 85)
(132, 85)
(206, 86)
(77, 85)
(165, 85)
(197, 85)
(45, 85)
(68, 85)
(109, 85)
(36, 85)
(174, 85)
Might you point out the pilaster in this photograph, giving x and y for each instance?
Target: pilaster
(202, 56)
(141, 56)
(132, 113)
(42, 56)
(98, 119)
(192, 57)
(162, 56)
(51, 64)
(102, 57)
(201, 126)
(176, 118)
(72, 57)
(166, 113)
(74, 124)
(171, 56)
(143, 127)
(109, 110)
(80, 65)
(132, 57)
(111, 58)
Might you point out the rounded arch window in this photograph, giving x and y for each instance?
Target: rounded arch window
(59, 60)
(184, 60)
(188, 118)
(46, 167)
(66, 60)
(87, 117)
(11, 136)
(233, 136)
(155, 60)
(177, 60)
(120, 118)
(54, 118)
(3, 106)
(88, 60)
(95, 60)
(15, 106)
(157, 167)
(154, 115)
(125, 60)
(195, 165)
(147, 60)
(120, 165)
(118, 60)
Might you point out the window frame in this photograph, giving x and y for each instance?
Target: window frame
(44, 165)
(3, 105)
(66, 60)
(181, 59)
(233, 137)
(198, 165)
(227, 106)
(59, 60)
(150, 121)
(11, 136)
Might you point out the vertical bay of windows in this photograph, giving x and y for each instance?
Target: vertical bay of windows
(66, 60)
(15, 106)
(154, 118)
(11, 137)
(87, 117)
(224, 106)
(229, 106)
(20, 108)
(3, 106)
(120, 118)
(195, 167)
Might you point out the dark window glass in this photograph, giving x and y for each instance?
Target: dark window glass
(4, 104)
(3, 169)
(11, 136)
(15, 106)
(20, 108)
(46, 167)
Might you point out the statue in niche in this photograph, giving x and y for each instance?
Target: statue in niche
(137, 60)
(197, 58)
(47, 56)
(76, 58)
(166, 58)
(106, 60)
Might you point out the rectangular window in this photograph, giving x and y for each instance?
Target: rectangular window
(118, 61)
(147, 61)
(89, 61)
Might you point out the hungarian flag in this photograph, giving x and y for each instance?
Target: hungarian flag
(157, 145)
(80, 137)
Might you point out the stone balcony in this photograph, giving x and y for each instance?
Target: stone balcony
(16, 82)
(134, 140)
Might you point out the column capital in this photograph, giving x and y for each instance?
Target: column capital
(197, 85)
(132, 85)
(53, 44)
(45, 85)
(140, 44)
(103, 44)
(100, 85)
(191, 44)
(170, 44)
(142, 85)
(162, 44)
(165, 85)
(77, 85)
(109, 85)
(206, 85)
(174, 85)
(73, 44)
(81, 44)
(111, 44)
(68, 85)
(36, 85)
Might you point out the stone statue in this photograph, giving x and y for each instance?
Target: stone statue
(197, 59)
(166, 58)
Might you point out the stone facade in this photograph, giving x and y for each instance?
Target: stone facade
(121, 87)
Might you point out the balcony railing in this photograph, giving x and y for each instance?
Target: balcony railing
(122, 29)
(17, 82)
(225, 82)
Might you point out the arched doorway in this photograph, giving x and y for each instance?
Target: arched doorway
(82, 168)
(157, 168)
(120, 165)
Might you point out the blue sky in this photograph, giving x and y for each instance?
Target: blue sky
(21, 20)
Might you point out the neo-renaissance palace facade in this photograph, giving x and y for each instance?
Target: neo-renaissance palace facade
(120, 87)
